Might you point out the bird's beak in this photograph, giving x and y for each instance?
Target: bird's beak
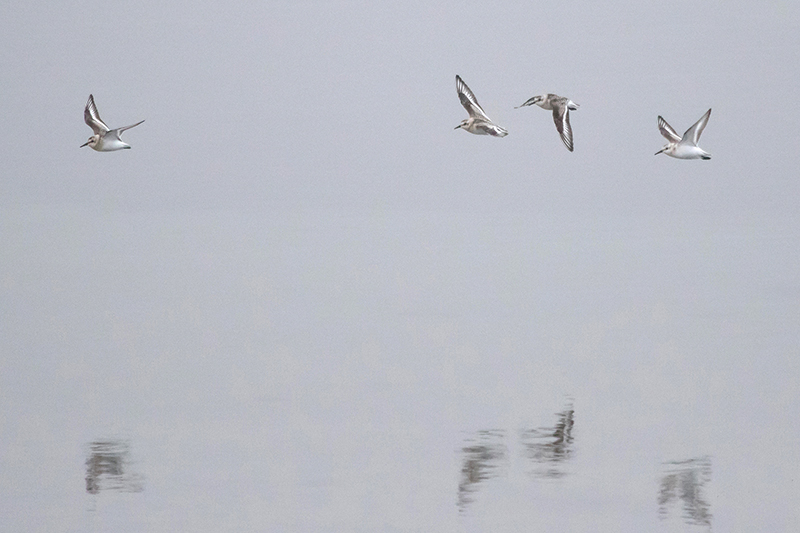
(457, 127)
(659, 151)
(84, 144)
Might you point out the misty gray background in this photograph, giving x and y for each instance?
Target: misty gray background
(301, 295)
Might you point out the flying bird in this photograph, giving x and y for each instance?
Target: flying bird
(560, 106)
(477, 123)
(104, 139)
(684, 147)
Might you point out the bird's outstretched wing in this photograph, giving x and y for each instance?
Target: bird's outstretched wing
(119, 131)
(693, 133)
(468, 100)
(92, 118)
(667, 131)
(561, 118)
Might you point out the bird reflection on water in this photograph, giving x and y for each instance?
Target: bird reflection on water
(685, 481)
(485, 454)
(549, 448)
(108, 468)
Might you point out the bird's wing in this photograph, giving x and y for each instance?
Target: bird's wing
(120, 130)
(667, 131)
(468, 100)
(693, 133)
(92, 118)
(490, 128)
(561, 118)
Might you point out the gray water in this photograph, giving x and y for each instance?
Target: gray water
(397, 371)
(303, 302)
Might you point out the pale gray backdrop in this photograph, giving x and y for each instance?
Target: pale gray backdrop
(303, 302)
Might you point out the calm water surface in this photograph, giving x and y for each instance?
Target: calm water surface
(397, 371)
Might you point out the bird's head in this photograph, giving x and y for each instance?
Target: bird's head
(92, 142)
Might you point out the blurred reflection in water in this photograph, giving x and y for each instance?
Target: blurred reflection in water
(108, 468)
(549, 448)
(482, 456)
(685, 481)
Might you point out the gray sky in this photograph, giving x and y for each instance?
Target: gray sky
(300, 240)
(292, 105)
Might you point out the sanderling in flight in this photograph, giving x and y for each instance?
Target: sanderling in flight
(684, 147)
(477, 123)
(560, 106)
(104, 139)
